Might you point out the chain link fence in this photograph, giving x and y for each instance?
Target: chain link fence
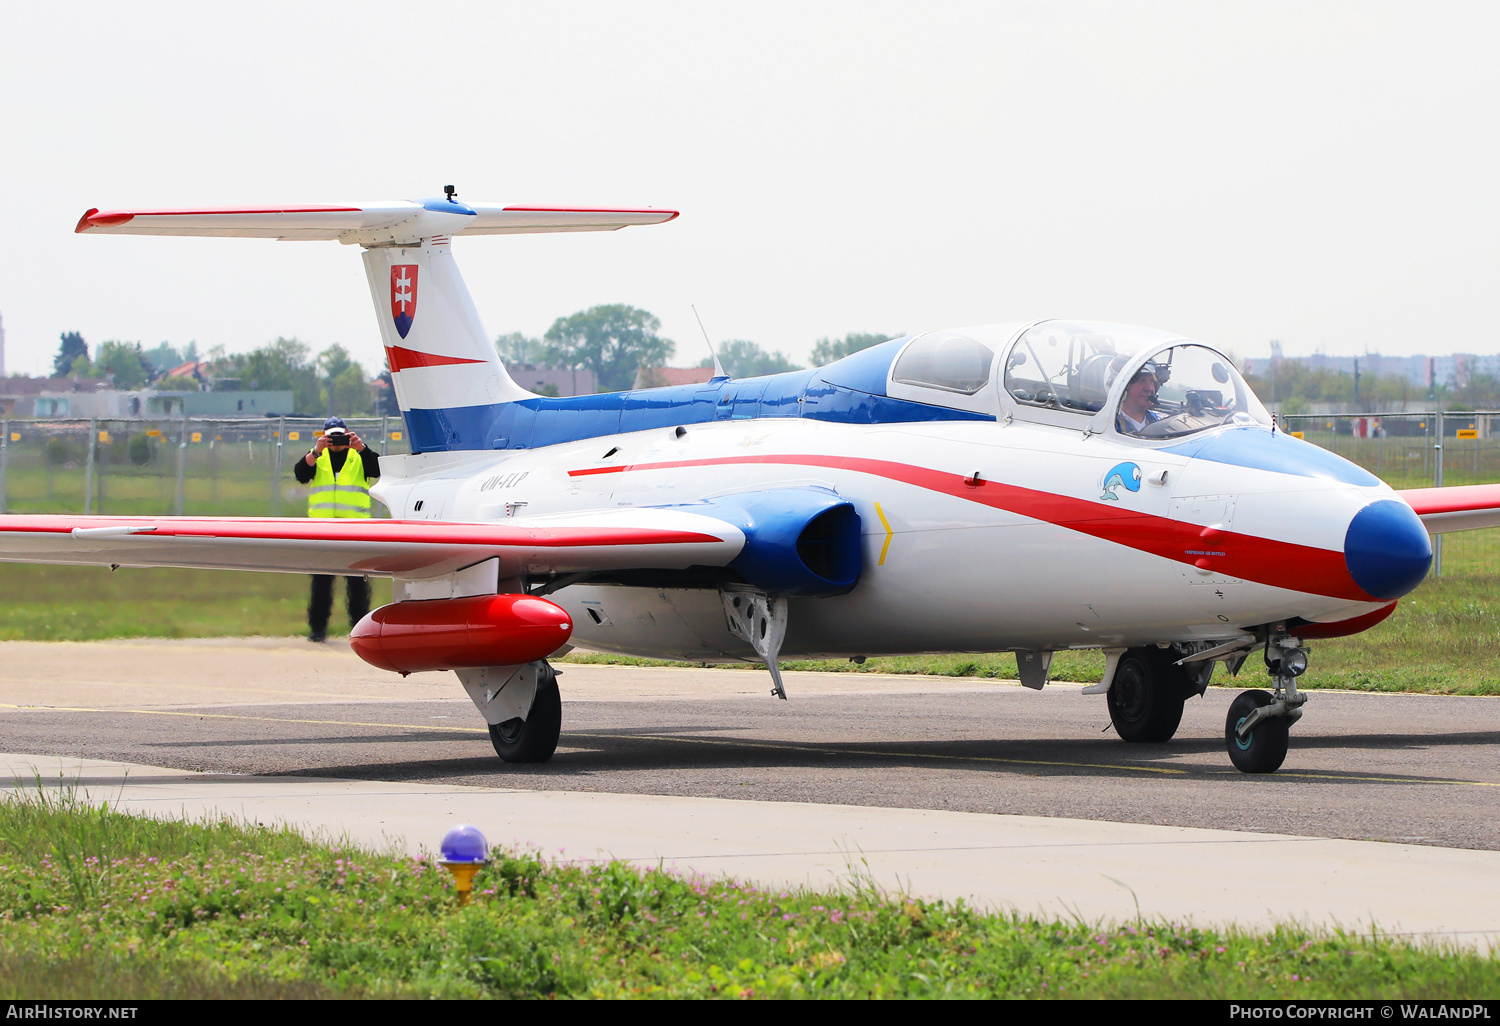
(1422, 450)
(243, 467)
(143, 467)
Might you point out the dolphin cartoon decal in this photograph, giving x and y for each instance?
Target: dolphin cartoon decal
(1121, 475)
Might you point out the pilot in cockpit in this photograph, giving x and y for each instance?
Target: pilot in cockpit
(1137, 407)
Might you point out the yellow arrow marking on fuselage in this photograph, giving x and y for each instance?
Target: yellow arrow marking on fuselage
(888, 534)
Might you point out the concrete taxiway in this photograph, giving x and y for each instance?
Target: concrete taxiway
(944, 788)
(1098, 871)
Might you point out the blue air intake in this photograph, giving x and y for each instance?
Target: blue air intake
(798, 541)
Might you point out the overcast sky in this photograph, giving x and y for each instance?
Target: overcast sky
(1324, 174)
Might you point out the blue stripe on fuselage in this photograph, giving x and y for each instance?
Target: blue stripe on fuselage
(823, 393)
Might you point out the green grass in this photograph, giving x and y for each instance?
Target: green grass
(237, 488)
(94, 903)
(84, 603)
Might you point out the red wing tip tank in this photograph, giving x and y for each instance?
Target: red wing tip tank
(453, 634)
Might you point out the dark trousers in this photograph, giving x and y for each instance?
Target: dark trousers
(321, 604)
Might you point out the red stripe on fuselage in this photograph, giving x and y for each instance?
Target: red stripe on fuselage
(1303, 568)
(402, 359)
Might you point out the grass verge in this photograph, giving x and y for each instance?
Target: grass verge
(95, 903)
(1443, 639)
(89, 603)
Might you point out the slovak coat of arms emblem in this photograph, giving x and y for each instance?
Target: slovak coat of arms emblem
(403, 296)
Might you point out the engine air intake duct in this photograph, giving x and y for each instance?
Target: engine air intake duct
(798, 541)
(452, 634)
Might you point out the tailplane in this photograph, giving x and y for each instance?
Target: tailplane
(448, 379)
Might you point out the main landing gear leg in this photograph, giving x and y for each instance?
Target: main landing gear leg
(761, 620)
(522, 706)
(1256, 729)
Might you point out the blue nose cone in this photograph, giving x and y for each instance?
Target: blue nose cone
(1387, 549)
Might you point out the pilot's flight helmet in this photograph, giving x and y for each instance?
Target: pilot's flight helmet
(1162, 372)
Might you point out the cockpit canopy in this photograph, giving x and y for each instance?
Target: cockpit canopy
(1172, 387)
(949, 360)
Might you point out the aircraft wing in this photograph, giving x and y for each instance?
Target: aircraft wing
(612, 539)
(1460, 508)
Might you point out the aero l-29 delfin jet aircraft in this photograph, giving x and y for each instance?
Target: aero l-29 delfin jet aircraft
(1027, 487)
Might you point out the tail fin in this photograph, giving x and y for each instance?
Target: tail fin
(449, 380)
(437, 348)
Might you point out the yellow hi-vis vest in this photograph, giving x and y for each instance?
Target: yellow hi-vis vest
(345, 494)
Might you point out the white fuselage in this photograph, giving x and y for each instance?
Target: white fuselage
(944, 570)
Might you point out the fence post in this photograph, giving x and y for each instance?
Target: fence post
(182, 441)
(385, 431)
(4, 458)
(276, 467)
(1437, 482)
(88, 469)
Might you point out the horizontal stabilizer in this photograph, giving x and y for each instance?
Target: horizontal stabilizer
(600, 540)
(367, 224)
(490, 219)
(1460, 508)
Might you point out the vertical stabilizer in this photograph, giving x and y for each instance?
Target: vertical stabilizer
(444, 367)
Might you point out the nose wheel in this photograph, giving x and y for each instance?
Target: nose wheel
(1257, 729)
(1262, 748)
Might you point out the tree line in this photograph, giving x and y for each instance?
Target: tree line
(614, 341)
(330, 380)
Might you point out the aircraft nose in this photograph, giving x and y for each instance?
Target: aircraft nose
(1387, 549)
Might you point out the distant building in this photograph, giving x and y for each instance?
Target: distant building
(198, 370)
(241, 403)
(1455, 370)
(18, 395)
(2, 348)
(553, 380)
(656, 377)
(115, 404)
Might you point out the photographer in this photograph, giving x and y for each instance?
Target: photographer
(341, 488)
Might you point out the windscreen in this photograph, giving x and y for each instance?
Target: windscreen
(1183, 390)
(1064, 365)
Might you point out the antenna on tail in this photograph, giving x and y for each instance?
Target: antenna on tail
(718, 367)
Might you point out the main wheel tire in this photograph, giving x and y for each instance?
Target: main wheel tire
(1145, 700)
(1264, 749)
(533, 739)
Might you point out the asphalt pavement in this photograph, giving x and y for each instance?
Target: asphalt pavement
(1403, 768)
(864, 752)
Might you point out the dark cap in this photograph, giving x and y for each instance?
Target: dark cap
(335, 422)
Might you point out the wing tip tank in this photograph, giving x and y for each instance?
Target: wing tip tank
(93, 218)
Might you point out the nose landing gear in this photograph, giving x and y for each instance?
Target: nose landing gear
(1256, 729)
